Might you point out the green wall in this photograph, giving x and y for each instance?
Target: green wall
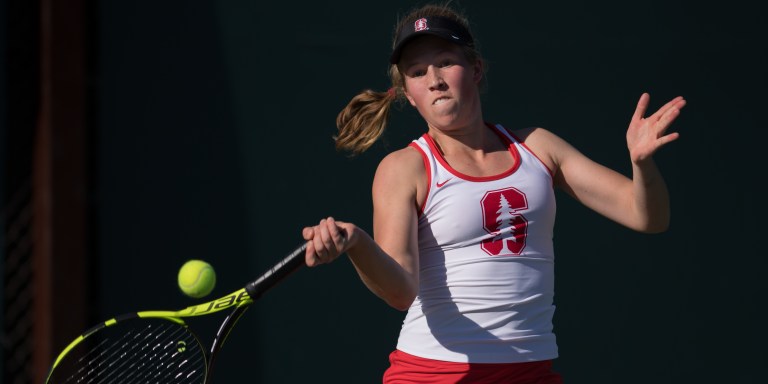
(214, 142)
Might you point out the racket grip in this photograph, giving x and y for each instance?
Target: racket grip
(277, 273)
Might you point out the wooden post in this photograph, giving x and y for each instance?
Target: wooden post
(60, 183)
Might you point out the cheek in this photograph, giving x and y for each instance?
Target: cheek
(410, 96)
(411, 100)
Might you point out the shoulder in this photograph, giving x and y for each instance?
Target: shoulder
(545, 144)
(532, 135)
(403, 162)
(529, 135)
(401, 172)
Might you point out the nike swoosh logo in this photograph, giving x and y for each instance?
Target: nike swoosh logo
(439, 184)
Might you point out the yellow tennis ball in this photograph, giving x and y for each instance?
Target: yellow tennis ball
(197, 278)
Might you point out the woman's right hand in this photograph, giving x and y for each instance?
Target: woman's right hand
(327, 240)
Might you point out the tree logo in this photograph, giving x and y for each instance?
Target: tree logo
(501, 219)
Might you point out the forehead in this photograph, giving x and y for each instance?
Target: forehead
(424, 47)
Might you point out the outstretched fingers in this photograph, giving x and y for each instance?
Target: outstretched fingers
(671, 107)
(647, 134)
(670, 111)
(642, 106)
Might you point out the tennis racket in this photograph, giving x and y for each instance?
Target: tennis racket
(158, 346)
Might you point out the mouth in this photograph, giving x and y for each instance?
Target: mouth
(440, 100)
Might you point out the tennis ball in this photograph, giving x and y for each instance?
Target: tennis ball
(197, 278)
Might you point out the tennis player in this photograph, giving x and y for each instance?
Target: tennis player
(464, 215)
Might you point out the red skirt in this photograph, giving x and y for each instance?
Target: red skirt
(409, 369)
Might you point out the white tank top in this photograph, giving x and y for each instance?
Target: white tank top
(486, 262)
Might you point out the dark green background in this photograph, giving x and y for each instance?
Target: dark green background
(214, 142)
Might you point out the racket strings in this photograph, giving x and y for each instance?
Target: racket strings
(158, 352)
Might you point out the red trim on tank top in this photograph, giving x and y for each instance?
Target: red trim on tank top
(425, 159)
(510, 147)
(551, 174)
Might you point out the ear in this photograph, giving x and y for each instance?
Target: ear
(478, 71)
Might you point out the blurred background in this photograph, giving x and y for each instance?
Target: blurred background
(136, 135)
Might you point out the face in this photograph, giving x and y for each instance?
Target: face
(440, 83)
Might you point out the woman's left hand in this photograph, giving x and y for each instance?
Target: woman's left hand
(647, 134)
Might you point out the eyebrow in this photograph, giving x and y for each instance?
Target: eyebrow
(409, 64)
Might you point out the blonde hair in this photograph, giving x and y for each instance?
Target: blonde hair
(362, 122)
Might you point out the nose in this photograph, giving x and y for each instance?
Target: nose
(436, 81)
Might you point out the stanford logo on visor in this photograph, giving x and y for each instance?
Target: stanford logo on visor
(420, 25)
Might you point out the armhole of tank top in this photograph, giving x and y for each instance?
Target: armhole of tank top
(516, 140)
(428, 170)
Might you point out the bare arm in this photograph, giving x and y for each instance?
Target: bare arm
(644, 137)
(388, 266)
(640, 203)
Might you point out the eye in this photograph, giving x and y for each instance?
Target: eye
(446, 63)
(417, 72)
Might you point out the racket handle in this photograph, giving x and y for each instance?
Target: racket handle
(278, 272)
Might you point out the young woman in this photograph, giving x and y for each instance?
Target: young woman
(464, 215)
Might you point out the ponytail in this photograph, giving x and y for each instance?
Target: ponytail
(363, 120)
